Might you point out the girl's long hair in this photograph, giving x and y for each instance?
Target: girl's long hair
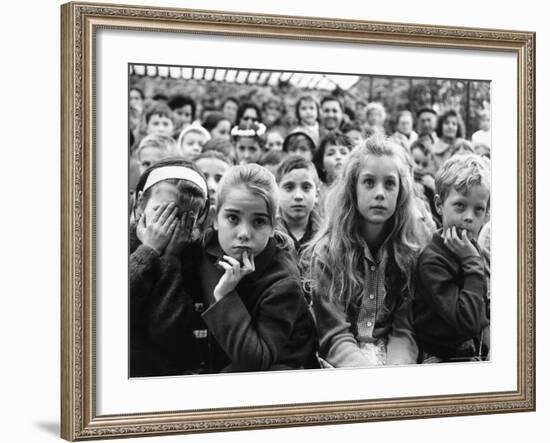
(336, 253)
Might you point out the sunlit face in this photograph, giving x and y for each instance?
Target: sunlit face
(160, 124)
(243, 223)
(465, 211)
(331, 114)
(377, 190)
(249, 117)
(184, 116)
(405, 124)
(221, 130)
(298, 193)
(307, 112)
(150, 156)
(355, 136)
(300, 145)
(274, 141)
(421, 161)
(334, 159)
(449, 129)
(248, 151)
(164, 192)
(427, 122)
(230, 110)
(213, 169)
(191, 145)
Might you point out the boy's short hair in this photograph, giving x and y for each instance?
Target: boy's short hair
(418, 144)
(220, 145)
(177, 101)
(157, 141)
(217, 155)
(160, 109)
(461, 172)
(213, 119)
(425, 135)
(292, 162)
(352, 126)
(271, 158)
(294, 136)
(160, 97)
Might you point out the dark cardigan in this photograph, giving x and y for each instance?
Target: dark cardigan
(265, 323)
(165, 323)
(451, 305)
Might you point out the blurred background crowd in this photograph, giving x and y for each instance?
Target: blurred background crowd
(190, 111)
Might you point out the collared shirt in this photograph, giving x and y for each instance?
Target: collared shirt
(373, 295)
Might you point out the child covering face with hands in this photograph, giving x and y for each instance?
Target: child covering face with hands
(171, 206)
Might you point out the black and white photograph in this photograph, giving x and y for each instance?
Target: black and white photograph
(287, 220)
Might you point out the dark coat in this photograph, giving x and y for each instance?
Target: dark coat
(165, 323)
(451, 305)
(265, 323)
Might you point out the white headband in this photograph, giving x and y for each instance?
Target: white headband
(177, 172)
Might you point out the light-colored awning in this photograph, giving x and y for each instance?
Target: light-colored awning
(326, 82)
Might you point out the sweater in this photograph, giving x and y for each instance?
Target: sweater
(451, 305)
(264, 324)
(381, 312)
(165, 326)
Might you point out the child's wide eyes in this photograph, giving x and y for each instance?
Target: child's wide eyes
(390, 184)
(368, 181)
(480, 209)
(459, 205)
(288, 187)
(260, 222)
(232, 218)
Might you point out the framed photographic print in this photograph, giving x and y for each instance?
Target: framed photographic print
(277, 221)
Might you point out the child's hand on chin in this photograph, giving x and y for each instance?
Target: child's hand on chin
(233, 274)
(460, 245)
(156, 233)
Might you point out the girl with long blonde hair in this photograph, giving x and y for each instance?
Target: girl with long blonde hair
(362, 260)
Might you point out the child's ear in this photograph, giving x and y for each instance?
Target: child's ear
(438, 203)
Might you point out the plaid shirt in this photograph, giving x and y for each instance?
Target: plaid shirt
(373, 295)
(374, 318)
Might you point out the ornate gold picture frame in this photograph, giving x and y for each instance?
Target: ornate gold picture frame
(79, 388)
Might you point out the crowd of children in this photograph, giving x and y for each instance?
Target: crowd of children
(333, 244)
